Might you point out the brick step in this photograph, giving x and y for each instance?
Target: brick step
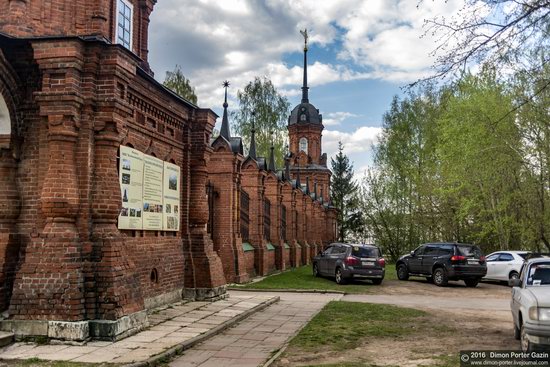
(5, 338)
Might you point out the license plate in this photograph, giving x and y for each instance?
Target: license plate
(473, 262)
(367, 263)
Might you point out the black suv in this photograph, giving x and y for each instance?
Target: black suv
(346, 261)
(442, 262)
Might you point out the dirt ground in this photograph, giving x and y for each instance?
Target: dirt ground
(439, 336)
(420, 286)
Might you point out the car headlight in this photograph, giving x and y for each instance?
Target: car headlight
(539, 313)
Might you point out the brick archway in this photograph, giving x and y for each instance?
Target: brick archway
(8, 99)
(10, 202)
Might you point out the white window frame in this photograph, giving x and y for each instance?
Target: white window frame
(303, 139)
(131, 29)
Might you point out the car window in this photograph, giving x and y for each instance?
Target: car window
(365, 251)
(539, 274)
(328, 251)
(446, 250)
(339, 250)
(420, 250)
(493, 257)
(431, 250)
(469, 251)
(506, 257)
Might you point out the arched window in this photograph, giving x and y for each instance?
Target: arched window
(5, 124)
(303, 145)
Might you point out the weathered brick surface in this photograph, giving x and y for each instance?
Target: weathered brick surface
(75, 17)
(73, 100)
(252, 183)
(89, 98)
(224, 175)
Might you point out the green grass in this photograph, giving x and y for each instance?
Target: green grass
(344, 325)
(302, 279)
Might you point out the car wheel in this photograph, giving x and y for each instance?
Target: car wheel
(339, 277)
(471, 283)
(513, 275)
(402, 272)
(517, 332)
(440, 277)
(377, 281)
(526, 345)
(315, 270)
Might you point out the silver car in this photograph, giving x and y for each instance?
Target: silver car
(531, 305)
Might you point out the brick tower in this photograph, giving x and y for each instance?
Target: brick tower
(305, 128)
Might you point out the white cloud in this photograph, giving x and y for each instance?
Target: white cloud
(388, 36)
(358, 146)
(359, 141)
(238, 40)
(336, 118)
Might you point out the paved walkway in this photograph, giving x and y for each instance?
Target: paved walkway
(253, 341)
(170, 327)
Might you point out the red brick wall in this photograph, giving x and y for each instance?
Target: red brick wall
(224, 175)
(252, 182)
(249, 263)
(89, 99)
(75, 18)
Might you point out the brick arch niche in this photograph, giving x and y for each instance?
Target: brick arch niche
(5, 124)
(10, 201)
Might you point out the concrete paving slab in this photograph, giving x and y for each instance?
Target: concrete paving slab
(252, 342)
(172, 327)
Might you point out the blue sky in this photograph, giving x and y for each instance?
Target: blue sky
(361, 53)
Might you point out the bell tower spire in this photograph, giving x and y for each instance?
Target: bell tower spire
(225, 122)
(305, 88)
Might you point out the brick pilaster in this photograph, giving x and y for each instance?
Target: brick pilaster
(49, 285)
(252, 183)
(207, 267)
(273, 194)
(117, 287)
(224, 175)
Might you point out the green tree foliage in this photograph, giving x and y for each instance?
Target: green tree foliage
(179, 84)
(454, 164)
(344, 196)
(271, 113)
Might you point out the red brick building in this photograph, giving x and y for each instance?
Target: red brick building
(75, 86)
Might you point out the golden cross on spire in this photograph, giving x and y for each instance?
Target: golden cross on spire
(306, 37)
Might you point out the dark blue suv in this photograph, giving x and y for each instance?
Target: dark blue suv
(441, 262)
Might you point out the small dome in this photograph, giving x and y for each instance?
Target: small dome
(305, 113)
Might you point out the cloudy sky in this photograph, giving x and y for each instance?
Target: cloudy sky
(361, 52)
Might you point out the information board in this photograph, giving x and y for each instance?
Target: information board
(150, 191)
(171, 197)
(131, 181)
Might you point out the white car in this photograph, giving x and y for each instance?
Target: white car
(504, 265)
(531, 305)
